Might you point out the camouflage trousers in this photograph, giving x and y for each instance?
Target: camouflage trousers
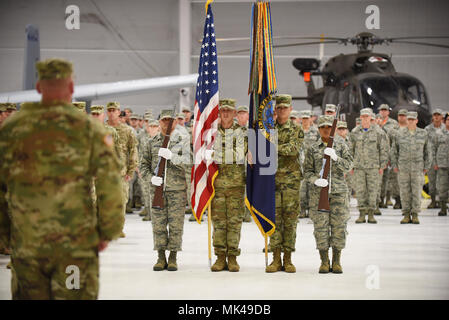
(443, 183)
(48, 278)
(168, 223)
(379, 188)
(146, 194)
(330, 228)
(188, 175)
(134, 188)
(411, 181)
(393, 184)
(366, 182)
(286, 216)
(432, 175)
(227, 216)
(125, 192)
(384, 184)
(304, 195)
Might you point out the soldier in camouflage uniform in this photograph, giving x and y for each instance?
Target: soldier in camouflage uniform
(432, 130)
(342, 131)
(329, 228)
(47, 215)
(388, 125)
(441, 161)
(411, 156)
(230, 147)
(178, 156)
(127, 147)
(288, 181)
(370, 152)
(311, 135)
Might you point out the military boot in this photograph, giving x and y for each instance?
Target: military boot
(220, 264)
(377, 211)
(161, 263)
(371, 216)
(233, 266)
(137, 202)
(382, 204)
(302, 213)
(397, 203)
(325, 264)
(443, 211)
(361, 218)
(172, 264)
(406, 218)
(432, 204)
(147, 217)
(336, 266)
(276, 265)
(129, 208)
(288, 265)
(415, 219)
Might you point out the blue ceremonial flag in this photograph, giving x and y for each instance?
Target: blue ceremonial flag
(260, 183)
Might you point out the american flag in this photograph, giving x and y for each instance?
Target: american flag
(206, 121)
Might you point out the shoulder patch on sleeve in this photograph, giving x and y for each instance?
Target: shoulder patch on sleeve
(108, 140)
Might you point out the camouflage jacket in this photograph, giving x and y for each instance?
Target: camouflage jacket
(49, 156)
(290, 138)
(441, 149)
(175, 168)
(313, 164)
(230, 148)
(369, 148)
(411, 151)
(128, 148)
(432, 133)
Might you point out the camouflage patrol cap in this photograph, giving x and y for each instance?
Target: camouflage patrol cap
(306, 114)
(166, 113)
(186, 108)
(384, 106)
(342, 124)
(3, 106)
(366, 112)
(437, 111)
(242, 109)
(54, 69)
(402, 112)
(378, 116)
(412, 115)
(97, 109)
(294, 114)
(180, 116)
(325, 121)
(113, 105)
(330, 107)
(134, 116)
(11, 106)
(153, 123)
(283, 100)
(227, 104)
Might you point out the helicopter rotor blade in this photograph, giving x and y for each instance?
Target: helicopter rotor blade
(422, 44)
(417, 37)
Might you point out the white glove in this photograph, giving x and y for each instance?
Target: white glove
(157, 181)
(165, 153)
(331, 153)
(208, 154)
(321, 183)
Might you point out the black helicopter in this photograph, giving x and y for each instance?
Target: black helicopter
(365, 79)
(362, 79)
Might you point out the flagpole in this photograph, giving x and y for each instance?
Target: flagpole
(209, 222)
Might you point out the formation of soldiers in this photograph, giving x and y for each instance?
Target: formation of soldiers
(60, 206)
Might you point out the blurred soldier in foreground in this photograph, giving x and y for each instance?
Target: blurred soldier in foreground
(52, 227)
(288, 181)
(441, 165)
(432, 130)
(370, 152)
(329, 228)
(411, 157)
(171, 216)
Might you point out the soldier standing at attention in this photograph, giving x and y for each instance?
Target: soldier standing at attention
(311, 135)
(370, 152)
(288, 181)
(171, 216)
(441, 161)
(329, 228)
(55, 152)
(230, 148)
(411, 158)
(127, 147)
(432, 130)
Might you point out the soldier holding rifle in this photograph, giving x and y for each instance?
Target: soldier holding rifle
(325, 166)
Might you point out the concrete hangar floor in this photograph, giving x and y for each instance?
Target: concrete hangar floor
(383, 261)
